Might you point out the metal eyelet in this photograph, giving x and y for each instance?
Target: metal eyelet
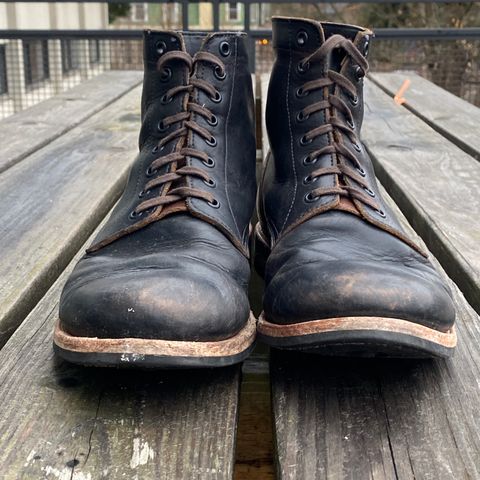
(210, 183)
(161, 127)
(166, 74)
(160, 47)
(301, 117)
(305, 141)
(214, 203)
(217, 98)
(309, 161)
(212, 142)
(213, 121)
(224, 49)
(351, 124)
(299, 93)
(155, 149)
(357, 147)
(309, 179)
(369, 191)
(302, 37)
(366, 47)
(219, 73)
(143, 193)
(361, 171)
(309, 198)
(381, 213)
(303, 67)
(165, 99)
(354, 100)
(358, 73)
(133, 215)
(210, 162)
(149, 172)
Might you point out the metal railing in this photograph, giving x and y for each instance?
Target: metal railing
(36, 64)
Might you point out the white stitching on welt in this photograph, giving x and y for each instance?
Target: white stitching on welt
(290, 130)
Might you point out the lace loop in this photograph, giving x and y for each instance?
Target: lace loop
(336, 126)
(175, 180)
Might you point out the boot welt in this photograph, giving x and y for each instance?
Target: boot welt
(155, 353)
(360, 337)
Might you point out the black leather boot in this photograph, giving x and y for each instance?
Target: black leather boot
(341, 276)
(165, 282)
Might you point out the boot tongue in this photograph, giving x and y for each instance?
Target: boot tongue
(190, 43)
(193, 42)
(322, 31)
(347, 31)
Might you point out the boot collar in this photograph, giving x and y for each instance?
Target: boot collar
(159, 42)
(306, 35)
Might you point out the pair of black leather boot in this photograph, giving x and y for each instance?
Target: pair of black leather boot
(165, 282)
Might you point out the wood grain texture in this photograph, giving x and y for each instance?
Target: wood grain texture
(254, 449)
(60, 421)
(378, 418)
(453, 117)
(434, 182)
(54, 199)
(35, 127)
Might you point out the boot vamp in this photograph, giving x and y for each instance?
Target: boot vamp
(177, 279)
(337, 265)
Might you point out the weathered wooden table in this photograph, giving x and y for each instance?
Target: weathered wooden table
(63, 164)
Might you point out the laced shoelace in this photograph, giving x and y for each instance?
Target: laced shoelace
(179, 171)
(176, 159)
(333, 103)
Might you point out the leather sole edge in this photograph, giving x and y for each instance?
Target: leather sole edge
(360, 336)
(155, 353)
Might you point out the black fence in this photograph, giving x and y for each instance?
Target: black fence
(37, 64)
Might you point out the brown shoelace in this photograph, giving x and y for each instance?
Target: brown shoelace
(176, 159)
(335, 125)
(174, 182)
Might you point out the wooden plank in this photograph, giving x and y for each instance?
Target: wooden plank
(434, 182)
(455, 118)
(53, 200)
(254, 449)
(35, 127)
(378, 418)
(61, 421)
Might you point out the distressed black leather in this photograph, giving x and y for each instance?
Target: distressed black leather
(329, 256)
(185, 276)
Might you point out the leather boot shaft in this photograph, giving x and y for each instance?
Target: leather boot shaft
(314, 117)
(231, 180)
(341, 276)
(165, 282)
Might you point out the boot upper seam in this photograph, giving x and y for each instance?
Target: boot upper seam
(292, 153)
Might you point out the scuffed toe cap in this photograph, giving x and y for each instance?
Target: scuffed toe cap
(170, 304)
(330, 290)
(336, 265)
